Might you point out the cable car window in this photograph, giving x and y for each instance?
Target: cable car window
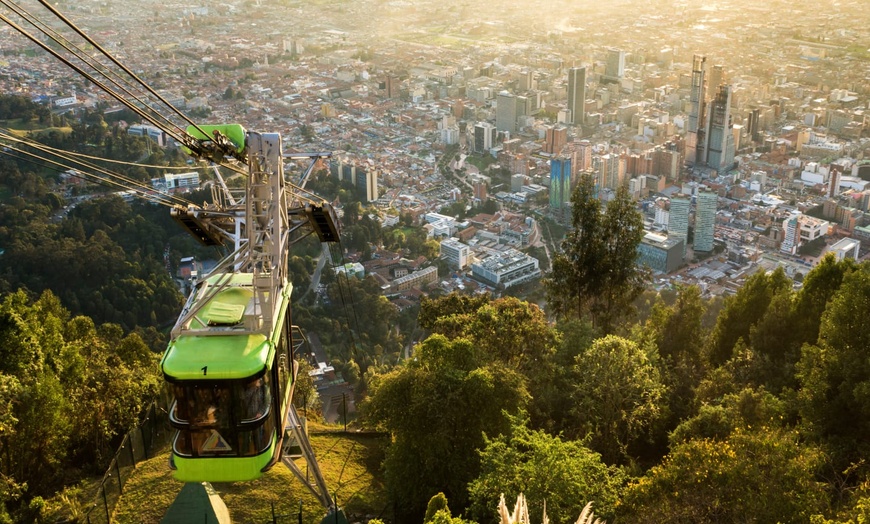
(209, 405)
(179, 411)
(255, 398)
(258, 439)
(181, 443)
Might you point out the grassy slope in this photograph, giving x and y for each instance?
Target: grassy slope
(19, 129)
(350, 465)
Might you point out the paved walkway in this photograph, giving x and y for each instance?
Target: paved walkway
(197, 502)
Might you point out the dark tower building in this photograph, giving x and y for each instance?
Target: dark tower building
(719, 147)
(697, 101)
(391, 86)
(577, 94)
(754, 130)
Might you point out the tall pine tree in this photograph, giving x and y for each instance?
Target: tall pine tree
(596, 272)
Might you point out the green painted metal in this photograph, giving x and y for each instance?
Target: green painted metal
(216, 358)
(222, 469)
(228, 352)
(235, 132)
(224, 356)
(227, 308)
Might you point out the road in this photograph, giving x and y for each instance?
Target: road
(321, 261)
(545, 243)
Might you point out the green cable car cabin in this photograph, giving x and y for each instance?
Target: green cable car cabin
(230, 363)
(231, 383)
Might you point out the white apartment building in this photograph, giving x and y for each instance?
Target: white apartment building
(457, 254)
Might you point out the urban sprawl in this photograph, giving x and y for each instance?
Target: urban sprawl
(742, 133)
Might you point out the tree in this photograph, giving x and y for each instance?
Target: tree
(678, 335)
(552, 405)
(508, 331)
(434, 311)
(774, 341)
(437, 503)
(818, 288)
(618, 395)
(359, 307)
(104, 261)
(437, 408)
(596, 272)
(570, 285)
(675, 332)
(37, 454)
(437, 512)
(763, 476)
(742, 311)
(835, 374)
(565, 474)
(734, 411)
(67, 390)
(305, 395)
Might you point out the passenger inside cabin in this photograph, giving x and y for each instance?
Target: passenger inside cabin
(255, 399)
(211, 405)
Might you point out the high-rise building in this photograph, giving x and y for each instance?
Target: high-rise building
(560, 182)
(719, 147)
(752, 126)
(637, 163)
(666, 162)
(555, 139)
(506, 112)
(834, 181)
(526, 80)
(614, 68)
(524, 106)
(484, 135)
(705, 220)
(391, 86)
(717, 78)
(457, 254)
(450, 135)
(610, 170)
(344, 171)
(678, 218)
(367, 183)
(577, 94)
(480, 191)
(584, 155)
(695, 128)
(791, 234)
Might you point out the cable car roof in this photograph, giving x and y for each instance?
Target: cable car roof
(216, 357)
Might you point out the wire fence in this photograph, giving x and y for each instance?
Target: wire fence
(138, 445)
